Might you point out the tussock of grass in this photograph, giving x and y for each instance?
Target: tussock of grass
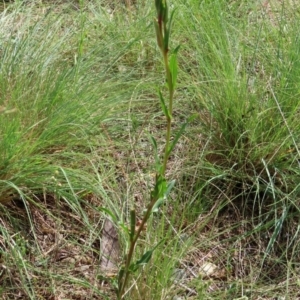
(250, 154)
(77, 103)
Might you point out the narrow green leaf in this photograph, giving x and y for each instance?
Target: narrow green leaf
(163, 105)
(120, 277)
(165, 12)
(171, 18)
(161, 185)
(170, 187)
(158, 35)
(110, 213)
(153, 142)
(166, 40)
(161, 200)
(159, 188)
(175, 51)
(156, 156)
(174, 66)
(278, 227)
(146, 256)
(179, 133)
(158, 204)
(167, 32)
(132, 224)
(158, 5)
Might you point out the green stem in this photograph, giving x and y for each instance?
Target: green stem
(169, 120)
(161, 32)
(132, 246)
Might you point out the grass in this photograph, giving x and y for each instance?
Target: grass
(78, 102)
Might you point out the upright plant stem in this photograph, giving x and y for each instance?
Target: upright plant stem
(162, 33)
(132, 247)
(153, 199)
(168, 117)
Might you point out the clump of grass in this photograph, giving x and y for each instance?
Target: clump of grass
(245, 96)
(55, 95)
(48, 89)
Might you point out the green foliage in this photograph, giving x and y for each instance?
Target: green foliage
(161, 187)
(78, 104)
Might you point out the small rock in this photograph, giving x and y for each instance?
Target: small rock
(177, 298)
(207, 269)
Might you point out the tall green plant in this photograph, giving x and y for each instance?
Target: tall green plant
(162, 187)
